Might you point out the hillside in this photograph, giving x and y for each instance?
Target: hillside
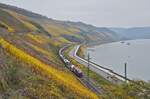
(29, 61)
(30, 67)
(94, 35)
(100, 35)
(133, 33)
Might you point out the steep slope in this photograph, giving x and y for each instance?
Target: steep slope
(60, 77)
(31, 67)
(94, 34)
(67, 29)
(12, 24)
(21, 11)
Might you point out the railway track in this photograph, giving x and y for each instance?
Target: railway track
(87, 83)
(102, 71)
(91, 85)
(106, 72)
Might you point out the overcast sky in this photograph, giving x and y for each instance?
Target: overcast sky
(122, 13)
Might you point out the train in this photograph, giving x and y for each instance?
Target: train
(72, 67)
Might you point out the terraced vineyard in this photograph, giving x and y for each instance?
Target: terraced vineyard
(29, 61)
(30, 66)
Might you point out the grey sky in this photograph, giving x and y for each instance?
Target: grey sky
(123, 13)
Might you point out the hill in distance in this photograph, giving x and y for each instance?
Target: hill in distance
(133, 33)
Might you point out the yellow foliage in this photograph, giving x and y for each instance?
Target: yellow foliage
(29, 25)
(63, 40)
(23, 19)
(61, 77)
(58, 41)
(57, 30)
(8, 27)
(40, 49)
(50, 55)
(54, 29)
(11, 30)
(38, 38)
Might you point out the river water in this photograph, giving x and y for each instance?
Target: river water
(136, 53)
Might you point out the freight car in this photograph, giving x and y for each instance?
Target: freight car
(72, 67)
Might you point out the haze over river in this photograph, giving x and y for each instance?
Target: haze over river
(135, 52)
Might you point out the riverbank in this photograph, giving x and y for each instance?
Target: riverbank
(133, 52)
(110, 90)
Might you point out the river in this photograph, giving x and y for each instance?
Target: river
(136, 53)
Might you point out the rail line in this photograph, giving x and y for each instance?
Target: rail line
(107, 70)
(83, 79)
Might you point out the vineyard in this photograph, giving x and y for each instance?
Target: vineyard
(61, 78)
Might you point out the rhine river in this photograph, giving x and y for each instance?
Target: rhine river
(136, 53)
